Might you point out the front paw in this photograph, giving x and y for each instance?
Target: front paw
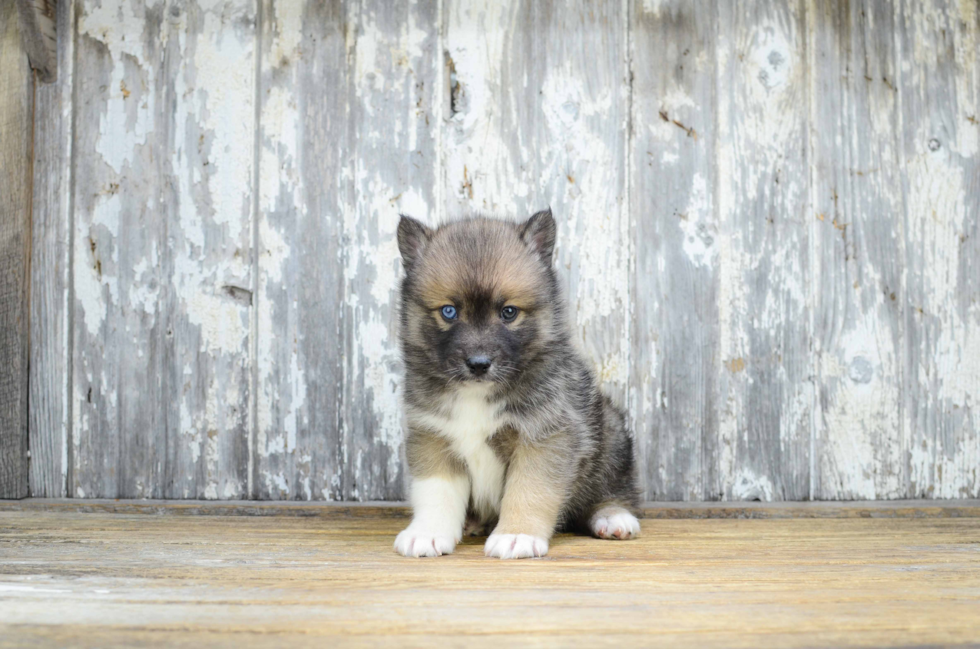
(418, 542)
(515, 546)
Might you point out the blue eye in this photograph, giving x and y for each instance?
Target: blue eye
(449, 312)
(508, 313)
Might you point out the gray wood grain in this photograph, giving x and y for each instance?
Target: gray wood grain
(50, 278)
(760, 448)
(393, 94)
(162, 249)
(39, 22)
(538, 117)
(304, 143)
(768, 235)
(16, 100)
(859, 248)
(674, 286)
(939, 81)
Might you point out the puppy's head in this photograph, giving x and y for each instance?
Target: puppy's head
(479, 300)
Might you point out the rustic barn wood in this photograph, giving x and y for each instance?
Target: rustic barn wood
(51, 285)
(538, 117)
(16, 105)
(162, 256)
(760, 447)
(675, 280)
(939, 82)
(859, 252)
(769, 235)
(392, 164)
(297, 451)
(39, 33)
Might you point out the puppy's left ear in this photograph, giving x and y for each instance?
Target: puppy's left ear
(538, 232)
(413, 236)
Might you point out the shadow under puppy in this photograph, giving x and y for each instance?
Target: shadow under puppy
(507, 429)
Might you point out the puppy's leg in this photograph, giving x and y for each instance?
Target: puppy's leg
(537, 481)
(440, 491)
(613, 521)
(474, 526)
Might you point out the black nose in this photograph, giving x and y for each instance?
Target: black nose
(478, 364)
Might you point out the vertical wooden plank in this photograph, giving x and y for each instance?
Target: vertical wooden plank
(38, 20)
(299, 302)
(858, 247)
(106, 186)
(212, 160)
(162, 248)
(761, 448)
(675, 232)
(50, 278)
(539, 116)
(940, 113)
(393, 100)
(16, 102)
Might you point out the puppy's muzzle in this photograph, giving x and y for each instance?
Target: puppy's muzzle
(478, 364)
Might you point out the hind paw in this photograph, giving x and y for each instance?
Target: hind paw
(615, 523)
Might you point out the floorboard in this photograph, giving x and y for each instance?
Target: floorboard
(124, 579)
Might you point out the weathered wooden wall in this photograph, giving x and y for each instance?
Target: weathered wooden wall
(769, 234)
(16, 104)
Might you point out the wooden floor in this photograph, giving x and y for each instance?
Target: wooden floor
(313, 579)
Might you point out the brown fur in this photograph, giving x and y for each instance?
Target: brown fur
(429, 454)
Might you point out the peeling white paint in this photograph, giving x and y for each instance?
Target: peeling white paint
(506, 147)
(478, 170)
(864, 405)
(89, 287)
(653, 7)
(116, 26)
(389, 172)
(376, 364)
(186, 160)
(949, 378)
(749, 486)
(574, 163)
(759, 175)
(297, 382)
(287, 20)
(696, 223)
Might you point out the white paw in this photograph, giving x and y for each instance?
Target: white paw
(618, 524)
(515, 546)
(418, 542)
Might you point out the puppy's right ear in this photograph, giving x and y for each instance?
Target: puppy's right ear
(413, 236)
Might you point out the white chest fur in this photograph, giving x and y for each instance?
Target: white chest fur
(471, 421)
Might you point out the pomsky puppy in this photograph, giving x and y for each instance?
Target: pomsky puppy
(507, 429)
